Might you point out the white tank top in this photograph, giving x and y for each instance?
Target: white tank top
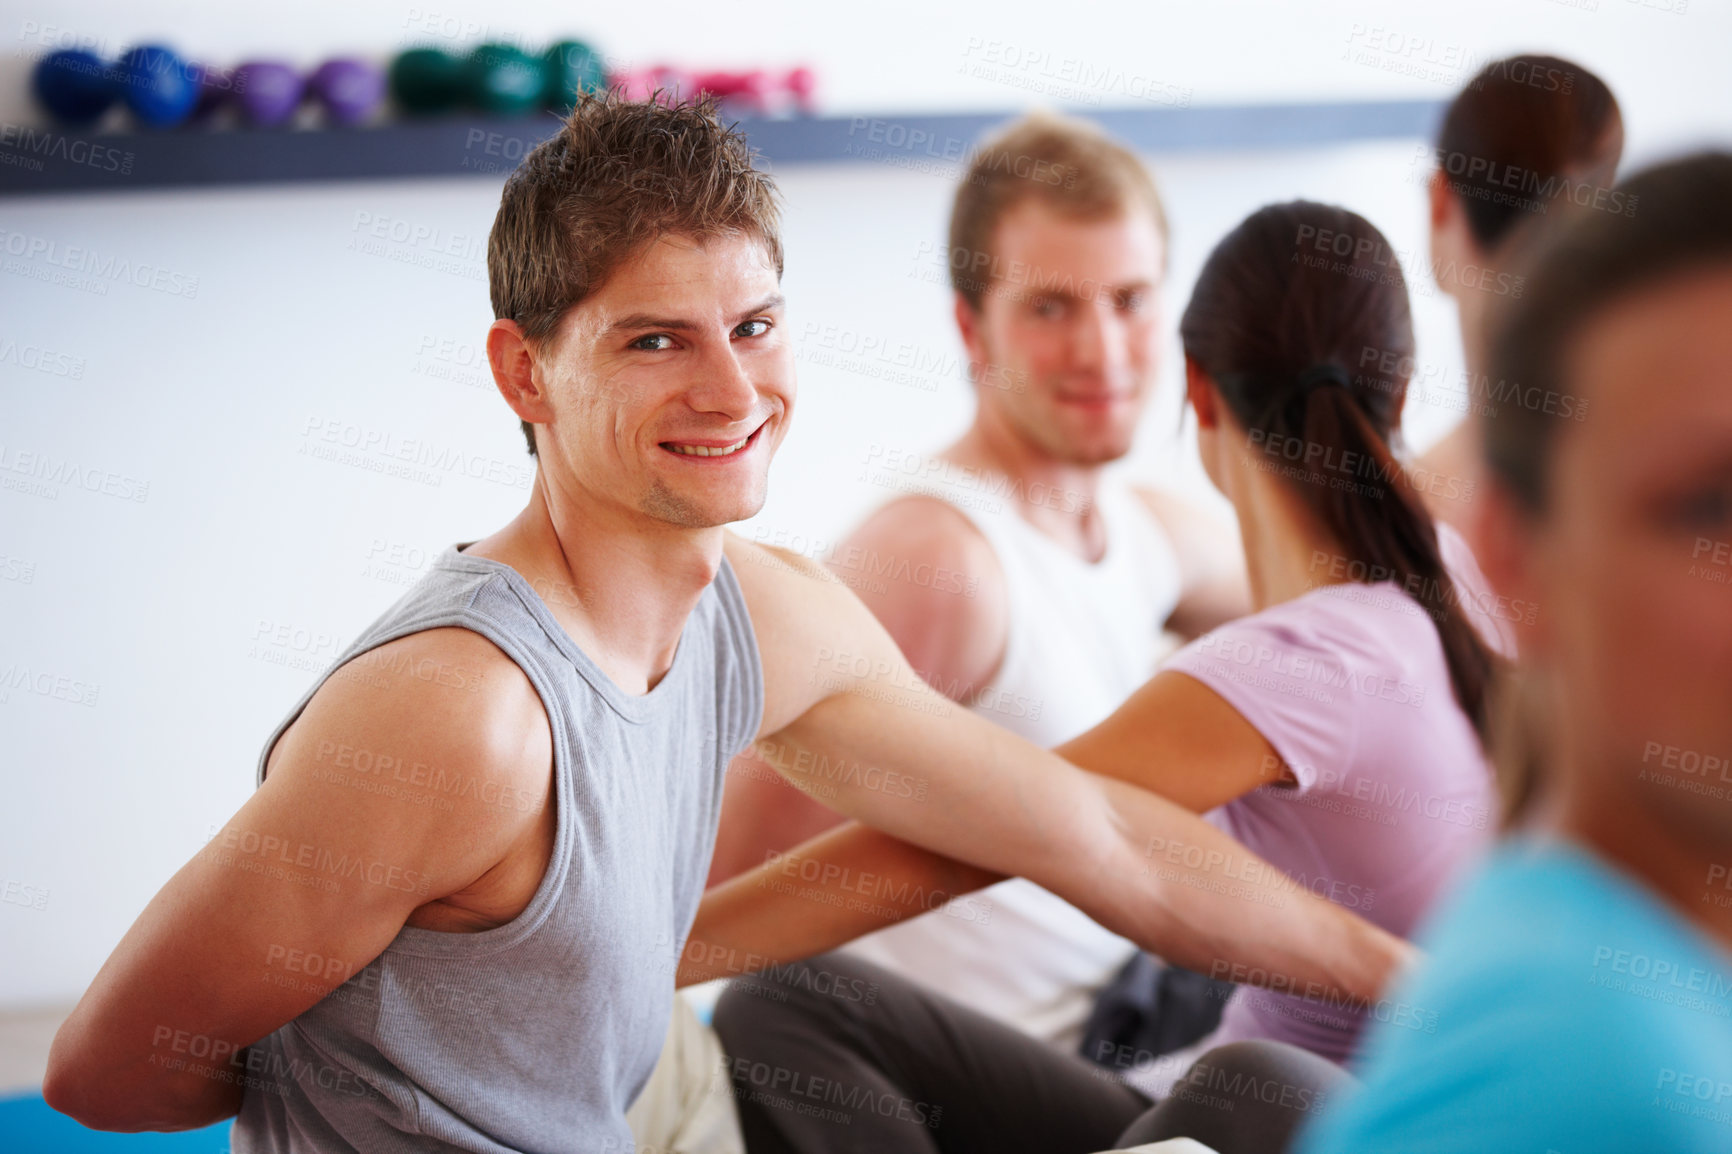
(1082, 637)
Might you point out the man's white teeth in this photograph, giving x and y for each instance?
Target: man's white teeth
(706, 451)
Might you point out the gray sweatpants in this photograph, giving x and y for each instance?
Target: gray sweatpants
(836, 1055)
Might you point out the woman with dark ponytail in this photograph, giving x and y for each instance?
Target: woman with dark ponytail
(1312, 360)
(1336, 732)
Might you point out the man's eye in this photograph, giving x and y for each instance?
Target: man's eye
(752, 328)
(1133, 302)
(1706, 511)
(1046, 307)
(648, 343)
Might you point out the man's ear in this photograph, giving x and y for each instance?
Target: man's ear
(1200, 392)
(1453, 246)
(1440, 200)
(968, 325)
(514, 372)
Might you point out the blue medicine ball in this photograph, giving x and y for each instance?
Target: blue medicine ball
(74, 86)
(157, 85)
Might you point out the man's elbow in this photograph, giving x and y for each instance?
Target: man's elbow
(68, 1088)
(75, 1086)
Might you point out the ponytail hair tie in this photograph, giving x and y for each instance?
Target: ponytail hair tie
(1317, 376)
(1308, 382)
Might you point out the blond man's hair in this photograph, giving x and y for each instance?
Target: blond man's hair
(1066, 164)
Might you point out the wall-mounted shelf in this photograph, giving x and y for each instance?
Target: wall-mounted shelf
(47, 160)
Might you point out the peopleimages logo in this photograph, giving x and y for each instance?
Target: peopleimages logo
(1665, 972)
(248, 849)
(106, 268)
(971, 480)
(802, 1092)
(17, 677)
(1363, 258)
(38, 472)
(413, 458)
(916, 140)
(35, 145)
(1073, 79)
(1486, 179)
(879, 888)
(19, 893)
(1307, 668)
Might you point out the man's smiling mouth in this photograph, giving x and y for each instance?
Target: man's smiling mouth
(711, 449)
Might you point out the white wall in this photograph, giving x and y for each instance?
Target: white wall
(200, 612)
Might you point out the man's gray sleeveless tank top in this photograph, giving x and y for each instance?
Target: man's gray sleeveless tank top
(536, 1035)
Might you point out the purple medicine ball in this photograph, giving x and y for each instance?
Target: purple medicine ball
(268, 91)
(350, 89)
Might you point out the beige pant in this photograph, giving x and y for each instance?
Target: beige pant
(687, 1106)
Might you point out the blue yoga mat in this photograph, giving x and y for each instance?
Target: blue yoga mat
(28, 1126)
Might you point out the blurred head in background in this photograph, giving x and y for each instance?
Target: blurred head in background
(1619, 526)
(634, 268)
(1530, 142)
(1057, 252)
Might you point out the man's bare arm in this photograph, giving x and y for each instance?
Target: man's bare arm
(157, 1041)
(854, 879)
(826, 892)
(936, 586)
(934, 582)
(1180, 739)
(940, 777)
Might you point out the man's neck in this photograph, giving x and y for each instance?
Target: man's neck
(1664, 857)
(1473, 317)
(620, 583)
(1056, 497)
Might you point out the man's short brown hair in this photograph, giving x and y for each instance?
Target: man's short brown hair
(1068, 165)
(618, 175)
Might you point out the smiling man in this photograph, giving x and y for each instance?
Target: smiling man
(449, 916)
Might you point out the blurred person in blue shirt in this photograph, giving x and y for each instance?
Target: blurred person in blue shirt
(1581, 982)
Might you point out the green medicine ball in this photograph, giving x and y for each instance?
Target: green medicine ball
(572, 67)
(427, 80)
(504, 80)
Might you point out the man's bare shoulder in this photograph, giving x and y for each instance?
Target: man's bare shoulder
(757, 564)
(918, 547)
(1169, 509)
(936, 582)
(442, 720)
(929, 530)
(1202, 535)
(1211, 560)
(922, 571)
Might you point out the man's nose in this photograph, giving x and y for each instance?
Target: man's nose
(723, 386)
(1099, 342)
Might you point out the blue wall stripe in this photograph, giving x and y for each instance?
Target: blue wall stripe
(42, 160)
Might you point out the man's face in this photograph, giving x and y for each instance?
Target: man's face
(1066, 341)
(672, 385)
(1632, 565)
